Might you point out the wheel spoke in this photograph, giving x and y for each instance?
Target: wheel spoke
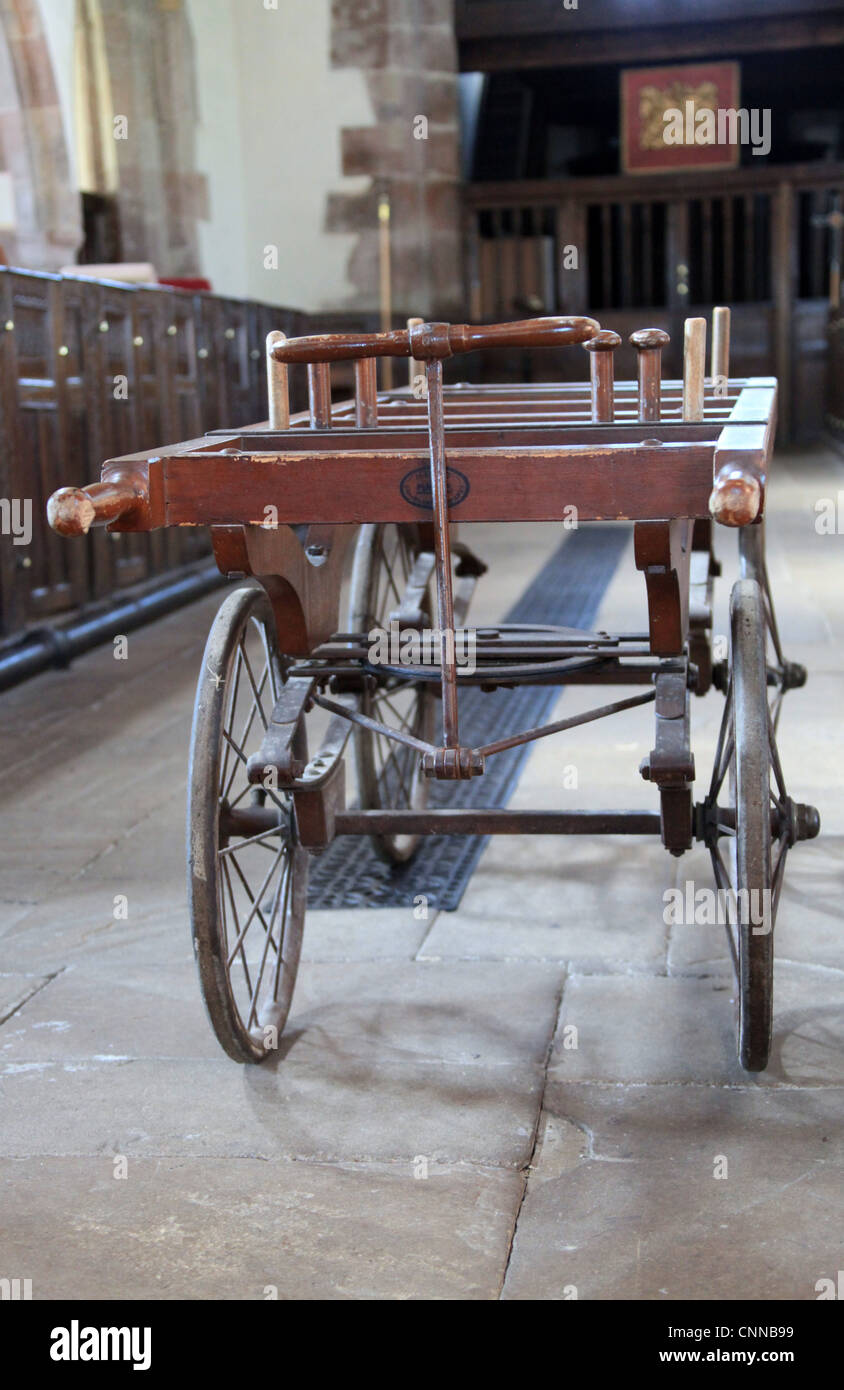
(777, 878)
(775, 760)
(255, 900)
(724, 746)
(269, 937)
(722, 878)
(283, 919)
(227, 877)
(252, 840)
(720, 770)
(257, 691)
(403, 721)
(387, 770)
(254, 707)
(776, 711)
(231, 743)
(391, 758)
(228, 714)
(770, 616)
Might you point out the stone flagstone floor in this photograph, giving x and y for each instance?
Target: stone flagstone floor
(427, 1131)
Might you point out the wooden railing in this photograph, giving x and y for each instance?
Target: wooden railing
(90, 370)
(616, 247)
(631, 242)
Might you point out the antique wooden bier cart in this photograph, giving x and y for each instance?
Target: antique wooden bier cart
(373, 487)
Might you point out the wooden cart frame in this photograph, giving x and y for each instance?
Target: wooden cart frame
(382, 481)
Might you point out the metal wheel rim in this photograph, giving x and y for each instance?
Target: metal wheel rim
(746, 762)
(246, 920)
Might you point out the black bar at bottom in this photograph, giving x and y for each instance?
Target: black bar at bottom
(469, 822)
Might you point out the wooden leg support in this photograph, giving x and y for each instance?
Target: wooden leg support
(663, 552)
(670, 763)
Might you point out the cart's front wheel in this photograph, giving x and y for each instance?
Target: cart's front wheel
(247, 876)
(756, 822)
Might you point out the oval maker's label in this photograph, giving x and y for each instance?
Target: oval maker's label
(416, 489)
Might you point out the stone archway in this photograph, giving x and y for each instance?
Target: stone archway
(33, 151)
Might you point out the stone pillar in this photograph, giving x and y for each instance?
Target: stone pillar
(48, 212)
(407, 51)
(151, 71)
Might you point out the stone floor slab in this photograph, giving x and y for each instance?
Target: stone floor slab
(242, 1229)
(681, 1192)
(315, 1103)
(454, 1014)
(656, 1030)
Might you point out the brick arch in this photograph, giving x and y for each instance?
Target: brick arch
(33, 149)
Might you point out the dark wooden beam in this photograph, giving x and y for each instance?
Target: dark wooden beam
(488, 19)
(551, 192)
(665, 43)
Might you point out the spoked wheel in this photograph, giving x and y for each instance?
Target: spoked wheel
(783, 675)
(389, 773)
(247, 877)
(751, 821)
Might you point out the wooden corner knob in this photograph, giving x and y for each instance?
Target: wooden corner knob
(650, 338)
(736, 498)
(71, 512)
(605, 341)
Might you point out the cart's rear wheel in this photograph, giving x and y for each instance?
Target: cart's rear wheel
(755, 823)
(247, 877)
(388, 773)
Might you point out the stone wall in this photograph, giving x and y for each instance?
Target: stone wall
(161, 195)
(406, 50)
(33, 151)
(250, 128)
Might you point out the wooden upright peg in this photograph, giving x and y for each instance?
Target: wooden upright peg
(649, 343)
(385, 280)
(601, 349)
(720, 350)
(319, 395)
(277, 387)
(694, 368)
(366, 392)
(416, 369)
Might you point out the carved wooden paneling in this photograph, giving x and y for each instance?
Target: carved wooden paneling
(182, 364)
(90, 370)
(38, 578)
(111, 388)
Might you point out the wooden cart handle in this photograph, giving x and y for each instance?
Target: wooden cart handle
(432, 340)
(72, 511)
(736, 496)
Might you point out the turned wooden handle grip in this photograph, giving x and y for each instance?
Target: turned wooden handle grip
(426, 341)
(72, 511)
(526, 333)
(736, 496)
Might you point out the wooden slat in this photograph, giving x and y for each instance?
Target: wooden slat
(729, 247)
(603, 482)
(606, 255)
(707, 279)
(627, 271)
(749, 246)
(646, 250)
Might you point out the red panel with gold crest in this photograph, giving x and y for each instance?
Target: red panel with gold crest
(670, 118)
